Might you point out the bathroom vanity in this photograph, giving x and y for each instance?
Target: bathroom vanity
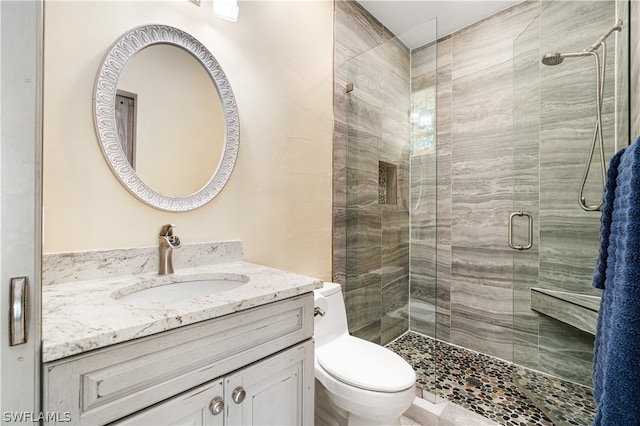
(125, 340)
(241, 356)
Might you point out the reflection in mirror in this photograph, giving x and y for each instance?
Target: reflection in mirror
(166, 118)
(126, 124)
(179, 127)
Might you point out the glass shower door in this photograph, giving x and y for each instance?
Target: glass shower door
(555, 307)
(388, 94)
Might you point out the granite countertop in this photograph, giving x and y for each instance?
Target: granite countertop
(83, 315)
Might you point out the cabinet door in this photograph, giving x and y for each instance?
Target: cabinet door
(193, 408)
(275, 391)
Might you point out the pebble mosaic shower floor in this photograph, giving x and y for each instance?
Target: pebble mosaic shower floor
(485, 385)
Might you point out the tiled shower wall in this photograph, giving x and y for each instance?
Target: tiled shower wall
(475, 146)
(474, 156)
(475, 192)
(371, 126)
(635, 69)
(566, 237)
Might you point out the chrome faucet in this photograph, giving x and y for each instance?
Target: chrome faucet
(166, 243)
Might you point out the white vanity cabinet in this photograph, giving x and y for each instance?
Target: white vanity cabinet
(269, 392)
(254, 366)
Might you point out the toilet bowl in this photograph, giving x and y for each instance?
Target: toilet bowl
(359, 382)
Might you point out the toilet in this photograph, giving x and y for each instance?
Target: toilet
(357, 382)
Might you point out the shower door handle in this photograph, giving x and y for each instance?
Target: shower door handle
(510, 236)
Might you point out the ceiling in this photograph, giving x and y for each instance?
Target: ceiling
(413, 21)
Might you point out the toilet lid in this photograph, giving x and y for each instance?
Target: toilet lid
(365, 365)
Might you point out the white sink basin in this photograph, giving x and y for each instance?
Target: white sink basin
(182, 290)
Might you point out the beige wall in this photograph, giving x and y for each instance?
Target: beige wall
(278, 58)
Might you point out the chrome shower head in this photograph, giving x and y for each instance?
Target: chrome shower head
(557, 58)
(552, 59)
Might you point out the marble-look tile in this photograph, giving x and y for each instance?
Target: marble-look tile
(482, 185)
(483, 267)
(560, 306)
(491, 92)
(395, 226)
(340, 95)
(477, 136)
(480, 227)
(575, 236)
(422, 317)
(356, 31)
(424, 66)
(362, 188)
(376, 129)
(366, 74)
(370, 332)
(490, 41)
(363, 268)
(622, 60)
(339, 264)
(444, 187)
(525, 320)
(525, 351)
(443, 289)
(364, 150)
(565, 351)
(575, 24)
(363, 228)
(394, 263)
(635, 70)
(478, 335)
(396, 68)
(339, 167)
(364, 306)
(444, 88)
(91, 265)
(423, 271)
(556, 106)
(395, 309)
(482, 300)
(364, 147)
(396, 134)
(404, 178)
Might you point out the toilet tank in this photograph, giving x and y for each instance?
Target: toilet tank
(334, 322)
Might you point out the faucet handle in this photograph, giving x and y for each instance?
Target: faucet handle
(167, 230)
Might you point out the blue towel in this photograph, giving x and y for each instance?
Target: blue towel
(600, 273)
(616, 366)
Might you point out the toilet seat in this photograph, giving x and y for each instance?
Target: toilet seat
(365, 365)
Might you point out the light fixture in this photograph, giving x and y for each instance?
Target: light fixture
(226, 9)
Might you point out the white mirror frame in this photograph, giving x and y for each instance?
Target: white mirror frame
(104, 116)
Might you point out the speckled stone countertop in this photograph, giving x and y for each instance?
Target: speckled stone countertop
(83, 313)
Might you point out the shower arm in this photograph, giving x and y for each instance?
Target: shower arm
(597, 131)
(600, 41)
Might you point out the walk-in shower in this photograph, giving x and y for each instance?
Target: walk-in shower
(434, 148)
(552, 59)
(558, 110)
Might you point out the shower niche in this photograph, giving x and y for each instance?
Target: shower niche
(387, 183)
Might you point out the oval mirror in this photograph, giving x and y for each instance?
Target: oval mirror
(166, 118)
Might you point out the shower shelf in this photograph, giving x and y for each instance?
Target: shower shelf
(577, 310)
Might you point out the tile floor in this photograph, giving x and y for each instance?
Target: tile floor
(485, 385)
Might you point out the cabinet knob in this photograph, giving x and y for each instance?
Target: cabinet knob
(216, 405)
(238, 395)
